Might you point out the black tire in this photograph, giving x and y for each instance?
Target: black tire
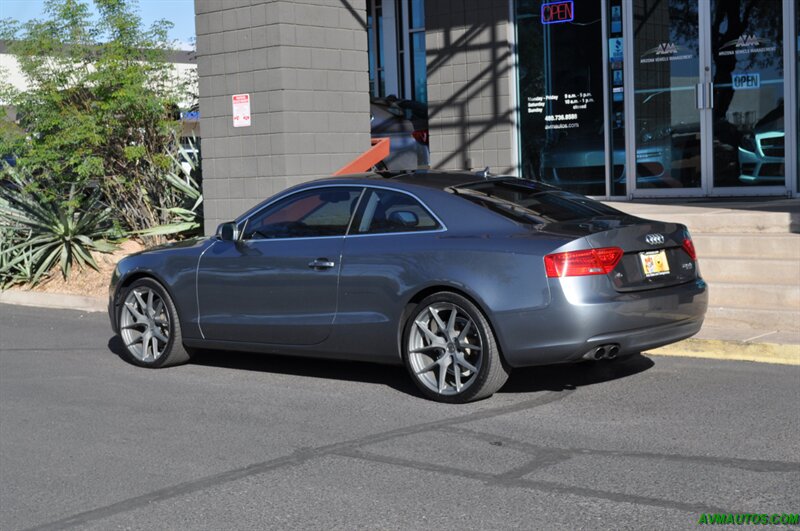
(135, 322)
(426, 352)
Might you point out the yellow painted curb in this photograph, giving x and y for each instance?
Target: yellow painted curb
(783, 354)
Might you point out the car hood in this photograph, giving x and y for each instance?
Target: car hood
(198, 243)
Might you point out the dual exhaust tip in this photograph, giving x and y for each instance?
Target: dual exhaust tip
(603, 352)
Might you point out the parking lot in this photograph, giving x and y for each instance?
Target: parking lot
(253, 442)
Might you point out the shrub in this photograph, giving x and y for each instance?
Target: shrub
(101, 109)
(38, 234)
(185, 219)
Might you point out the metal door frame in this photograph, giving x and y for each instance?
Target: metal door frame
(707, 188)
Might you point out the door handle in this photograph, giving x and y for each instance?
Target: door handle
(704, 95)
(710, 95)
(700, 95)
(321, 263)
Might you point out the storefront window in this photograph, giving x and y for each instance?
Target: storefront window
(377, 78)
(419, 77)
(666, 73)
(561, 94)
(748, 105)
(616, 96)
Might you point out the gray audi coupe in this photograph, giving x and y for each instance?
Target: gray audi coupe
(459, 278)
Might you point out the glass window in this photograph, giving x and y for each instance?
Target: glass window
(616, 90)
(747, 65)
(375, 47)
(529, 203)
(384, 211)
(308, 214)
(418, 90)
(419, 72)
(417, 18)
(561, 121)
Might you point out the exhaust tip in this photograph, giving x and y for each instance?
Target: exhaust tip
(603, 352)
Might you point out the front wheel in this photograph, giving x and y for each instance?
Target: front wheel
(450, 350)
(149, 326)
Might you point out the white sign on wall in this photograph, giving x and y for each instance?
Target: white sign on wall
(241, 110)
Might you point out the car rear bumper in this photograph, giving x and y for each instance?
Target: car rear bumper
(567, 329)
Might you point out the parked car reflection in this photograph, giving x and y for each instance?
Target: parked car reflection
(405, 124)
(761, 152)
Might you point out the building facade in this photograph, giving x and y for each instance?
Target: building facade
(627, 99)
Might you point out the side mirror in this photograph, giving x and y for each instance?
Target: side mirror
(228, 231)
(403, 218)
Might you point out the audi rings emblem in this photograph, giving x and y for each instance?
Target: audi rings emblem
(654, 239)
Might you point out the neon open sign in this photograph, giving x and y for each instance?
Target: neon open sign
(557, 12)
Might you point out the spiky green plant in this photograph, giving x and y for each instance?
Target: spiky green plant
(21, 271)
(52, 232)
(185, 220)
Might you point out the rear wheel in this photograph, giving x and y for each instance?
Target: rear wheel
(149, 326)
(450, 350)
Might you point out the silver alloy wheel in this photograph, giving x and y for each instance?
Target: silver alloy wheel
(145, 324)
(445, 348)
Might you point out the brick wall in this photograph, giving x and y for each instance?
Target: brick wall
(469, 63)
(304, 64)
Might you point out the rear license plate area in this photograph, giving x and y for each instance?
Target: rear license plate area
(654, 263)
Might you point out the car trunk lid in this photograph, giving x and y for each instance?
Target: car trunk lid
(655, 255)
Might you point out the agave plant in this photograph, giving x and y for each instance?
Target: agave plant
(51, 232)
(186, 219)
(20, 271)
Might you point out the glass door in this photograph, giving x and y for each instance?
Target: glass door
(746, 41)
(708, 98)
(667, 118)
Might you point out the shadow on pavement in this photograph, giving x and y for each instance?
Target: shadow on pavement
(524, 380)
(574, 375)
(354, 371)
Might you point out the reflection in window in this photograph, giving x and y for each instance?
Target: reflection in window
(308, 214)
(666, 68)
(375, 48)
(616, 78)
(532, 203)
(418, 68)
(384, 211)
(747, 50)
(561, 98)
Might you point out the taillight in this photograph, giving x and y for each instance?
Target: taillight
(421, 136)
(581, 263)
(688, 246)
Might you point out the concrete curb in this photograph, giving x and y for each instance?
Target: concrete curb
(719, 349)
(63, 301)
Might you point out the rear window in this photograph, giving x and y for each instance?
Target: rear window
(531, 204)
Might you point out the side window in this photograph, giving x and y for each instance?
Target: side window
(308, 214)
(385, 211)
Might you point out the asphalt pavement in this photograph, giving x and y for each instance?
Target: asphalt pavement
(242, 441)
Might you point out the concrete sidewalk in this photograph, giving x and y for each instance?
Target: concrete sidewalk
(62, 301)
(765, 346)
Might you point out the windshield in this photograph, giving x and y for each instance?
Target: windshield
(531, 203)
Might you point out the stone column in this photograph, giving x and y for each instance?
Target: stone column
(304, 64)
